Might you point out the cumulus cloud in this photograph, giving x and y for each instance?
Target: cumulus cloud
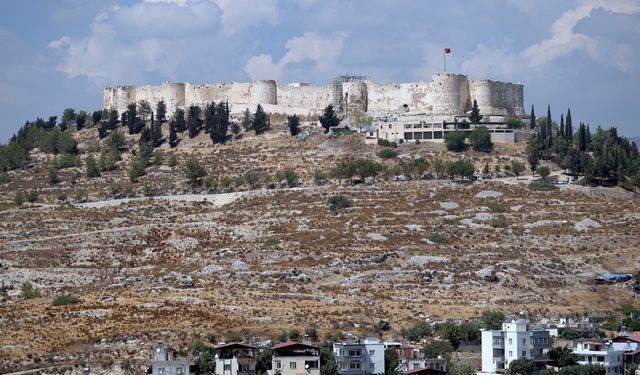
(244, 14)
(320, 51)
(565, 39)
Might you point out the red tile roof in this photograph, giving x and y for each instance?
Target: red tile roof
(236, 345)
(635, 338)
(423, 371)
(292, 344)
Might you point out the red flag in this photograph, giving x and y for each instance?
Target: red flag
(447, 50)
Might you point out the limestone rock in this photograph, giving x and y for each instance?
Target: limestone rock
(488, 274)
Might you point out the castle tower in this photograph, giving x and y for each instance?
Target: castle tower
(357, 95)
(450, 94)
(263, 92)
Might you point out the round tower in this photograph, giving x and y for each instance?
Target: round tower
(264, 92)
(173, 95)
(450, 94)
(356, 95)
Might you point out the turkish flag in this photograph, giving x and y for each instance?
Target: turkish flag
(447, 50)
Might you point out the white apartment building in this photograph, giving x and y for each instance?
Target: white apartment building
(354, 357)
(601, 354)
(166, 362)
(235, 359)
(295, 358)
(517, 339)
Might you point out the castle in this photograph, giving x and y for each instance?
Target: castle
(447, 95)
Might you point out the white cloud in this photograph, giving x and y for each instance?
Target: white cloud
(565, 40)
(320, 51)
(244, 14)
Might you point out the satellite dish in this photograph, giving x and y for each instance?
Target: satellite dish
(306, 366)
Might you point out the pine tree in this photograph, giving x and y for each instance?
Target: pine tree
(173, 137)
(235, 129)
(113, 119)
(161, 111)
(132, 117)
(194, 121)
(144, 109)
(532, 123)
(102, 130)
(247, 120)
(294, 124)
(210, 119)
(51, 123)
(260, 122)
(568, 127)
(156, 133)
(329, 118)
(475, 117)
(180, 125)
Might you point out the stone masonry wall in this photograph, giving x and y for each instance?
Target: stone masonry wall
(446, 94)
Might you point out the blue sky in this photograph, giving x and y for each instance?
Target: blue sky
(582, 54)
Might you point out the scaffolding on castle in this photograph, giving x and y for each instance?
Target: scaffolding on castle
(337, 94)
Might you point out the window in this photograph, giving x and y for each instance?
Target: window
(510, 353)
(428, 135)
(524, 341)
(415, 366)
(292, 365)
(370, 134)
(389, 126)
(278, 364)
(179, 370)
(372, 365)
(161, 371)
(510, 343)
(417, 135)
(311, 364)
(408, 135)
(354, 365)
(600, 358)
(354, 353)
(227, 367)
(524, 354)
(372, 352)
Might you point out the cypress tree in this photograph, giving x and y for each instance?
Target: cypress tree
(161, 111)
(532, 123)
(178, 117)
(210, 119)
(582, 138)
(475, 115)
(113, 119)
(260, 122)
(568, 132)
(132, 117)
(156, 133)
(294, 124)
(549, 128)
(173, 137)
(588, 137)
(195, 123)
(561, 128)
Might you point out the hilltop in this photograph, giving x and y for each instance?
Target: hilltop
(157, 259)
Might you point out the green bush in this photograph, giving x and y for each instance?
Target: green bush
(542, 186)
(387, 153)
(194, 172)
(66, 161)
(438, 238)
(338, 202)
(416, 332)
(455, 141)
(18, 198)
(384, 142)
(499, 222)
(28, 291)
(32, 196)
(497, 207)
(137, 169)
(65, 299)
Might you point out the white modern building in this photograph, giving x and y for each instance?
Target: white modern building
(354, 357)
(166, 362)
(235, 359)
(517, 339)
(295, 358)
(601, 354)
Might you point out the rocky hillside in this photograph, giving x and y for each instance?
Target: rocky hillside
(167, 262)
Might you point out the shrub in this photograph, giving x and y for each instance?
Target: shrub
(387, 153)
(497, 207)
(173, 161)
(498, 222)
(438, 238)
(4, 177)
(18, 198)
(62, 197)
(32, 196)
(65, 299)
(543, 171)
(384, 142)
(137, 169)
(417, 141)
(416, 332)
(384, 325)
(290, 177)
(455, 141)
(28, 291)
(481, 139)
(338, 202)
(542, 186)
(194, 172)
(66, 161)
(91, 167)
(52, 175)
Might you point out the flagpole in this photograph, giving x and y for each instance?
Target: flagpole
(444, 59)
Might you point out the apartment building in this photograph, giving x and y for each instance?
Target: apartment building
(235, 359)
(355, 357)
(295, 358)
(517, 339)
(600, 353)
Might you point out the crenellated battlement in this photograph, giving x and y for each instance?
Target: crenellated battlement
(446, 94)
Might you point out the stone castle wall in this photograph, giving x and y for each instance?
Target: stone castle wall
(446, 94)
